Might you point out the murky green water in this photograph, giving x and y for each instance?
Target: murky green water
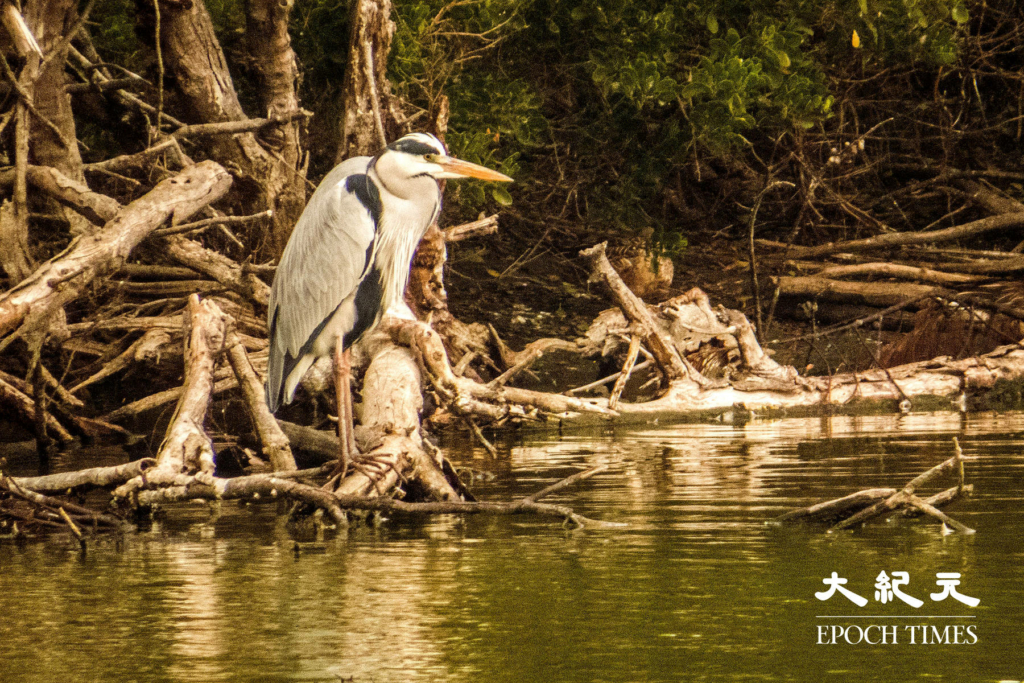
(696, 588)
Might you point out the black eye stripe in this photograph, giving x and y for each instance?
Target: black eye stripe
(412, 147)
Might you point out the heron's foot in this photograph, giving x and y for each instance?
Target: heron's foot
(373, 467)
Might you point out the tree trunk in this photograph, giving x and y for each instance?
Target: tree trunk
(368, 120)
(264, 179)
(50, 20)
(271, 51)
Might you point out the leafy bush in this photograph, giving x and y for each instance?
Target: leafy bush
(610, 102)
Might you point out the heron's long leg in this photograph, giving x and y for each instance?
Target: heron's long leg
(343, 386)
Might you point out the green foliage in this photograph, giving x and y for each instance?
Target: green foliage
(438, 49)
(655, 83)
(622, 96)
(319, 31)
(901, 30)
(113, 32)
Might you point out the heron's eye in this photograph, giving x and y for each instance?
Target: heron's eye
(430, 158)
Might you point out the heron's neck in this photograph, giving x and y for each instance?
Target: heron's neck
(397, 180)
(403, 222)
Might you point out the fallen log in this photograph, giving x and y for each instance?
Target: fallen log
(146, 347)
(999, 266)
(635, 310)
(219, 267)
(224, 381)
(468, 397)
(480, 228)
(1005, 221)
(318, 441)
(879, 294)
(755, 382)
(259, 488)
(57, 507)
(95, 477)
(147, 271)
(30, 305)
(905, 496)
(894, 270)
(992, 201)
(275, 443)
(186, 448)
(25, 406)
(832, 511)
(859, 507)
(97, 208)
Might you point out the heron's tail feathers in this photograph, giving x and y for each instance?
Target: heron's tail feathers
(284, 372)
(275, 374)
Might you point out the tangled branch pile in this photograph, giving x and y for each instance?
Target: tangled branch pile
(142, 216)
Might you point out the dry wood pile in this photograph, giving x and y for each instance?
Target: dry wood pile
(138, 283)
(953, 302)
(137, 286)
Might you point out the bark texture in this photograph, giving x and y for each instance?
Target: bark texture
(268, 178)
(63, 277)
(368, 120)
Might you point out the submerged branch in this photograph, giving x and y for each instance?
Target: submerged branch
(268, 487)
(859, 507)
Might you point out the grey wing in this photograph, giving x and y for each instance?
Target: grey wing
(321, 267)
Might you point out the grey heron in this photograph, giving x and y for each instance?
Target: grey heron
(348, 258)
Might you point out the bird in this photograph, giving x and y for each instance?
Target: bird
(348, 258)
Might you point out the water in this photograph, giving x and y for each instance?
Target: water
(695, 588)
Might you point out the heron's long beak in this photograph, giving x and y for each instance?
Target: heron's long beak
(457, 168)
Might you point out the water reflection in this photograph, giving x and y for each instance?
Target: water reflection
(697, 587)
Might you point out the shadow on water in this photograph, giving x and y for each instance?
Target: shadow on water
(696, 587)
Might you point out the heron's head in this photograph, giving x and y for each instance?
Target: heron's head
(420, 154)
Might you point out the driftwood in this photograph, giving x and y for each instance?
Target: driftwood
(469, 397)
(905, 496)
(667, 357)
(219, 267)
(75, 194)
(16, 399)
(55, 510)
(62, 278)
(275, 443)
(1004, 221)
(96, 477)
(145, 348)
(260, 488)
(862, 506)
(395, 458)
(895, 270)
(186, 448)
(480, 228)
(182, 470)
(872, 293)
(833, 511)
